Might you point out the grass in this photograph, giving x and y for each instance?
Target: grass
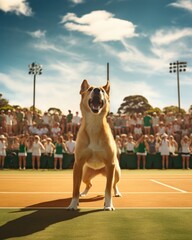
(95, 224)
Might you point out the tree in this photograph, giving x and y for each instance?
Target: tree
(134, 104)
(173, 109)
(3, 102)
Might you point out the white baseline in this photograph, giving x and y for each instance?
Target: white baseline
(163, 184)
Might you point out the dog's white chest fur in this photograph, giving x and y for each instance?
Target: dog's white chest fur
(96, 160)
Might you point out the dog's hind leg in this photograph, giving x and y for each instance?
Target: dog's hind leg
(116, 180)
(88, 174)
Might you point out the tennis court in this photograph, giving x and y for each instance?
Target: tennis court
(140, 189)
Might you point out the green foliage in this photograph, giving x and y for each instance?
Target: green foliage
(152, 110)
(134, 103)
(3, 102)
(173, 109)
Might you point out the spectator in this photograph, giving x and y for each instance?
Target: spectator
(29, 117)
(69, 121)
(173, 146)
(147, 123)
(117, 125)
(55, 130)
(152, 145)
(139, 119)
(37, 147)
(184, 129)
(133, 121)
(76, 121)
(3, 121)
(46, 118)
(22, 152)
(185, 151)
(142, 147)
(176, 130)
(118, 144)
(164, 150)
(162, 128)
(152, 151)
(59, 149)
(123, 138)
(33, 128)
(169, 129)
(19, 119)
(137, 132)
(169, 117)
(49, 149)
(110, 120)
(155, 123)
(3, 146)
(129, 146)
(70, 145)
(63, 124)
(9, 122)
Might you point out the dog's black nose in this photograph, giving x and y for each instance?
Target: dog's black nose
(96, 90)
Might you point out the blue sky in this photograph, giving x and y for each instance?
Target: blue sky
(74, 40)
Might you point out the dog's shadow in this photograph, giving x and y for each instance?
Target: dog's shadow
(41, 216)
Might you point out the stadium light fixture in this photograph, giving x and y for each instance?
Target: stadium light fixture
(177, 67)
(35, 69)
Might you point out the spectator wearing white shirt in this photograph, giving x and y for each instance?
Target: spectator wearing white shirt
(9, 122)
(56, 130)
(37, 148)
(70, 145)
(3, 146)
(76, 121)
(46, 118)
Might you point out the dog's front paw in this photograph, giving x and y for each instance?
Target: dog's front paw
(73, 205)
(110, 208)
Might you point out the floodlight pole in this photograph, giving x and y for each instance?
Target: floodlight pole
(178, 67)
(107, 71)
(34, 69)
(34, 88)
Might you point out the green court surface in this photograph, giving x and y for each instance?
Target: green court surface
(132, 224)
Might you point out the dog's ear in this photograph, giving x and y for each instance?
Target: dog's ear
(107, 88)
(84, 86)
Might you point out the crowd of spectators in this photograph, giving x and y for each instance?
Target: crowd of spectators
(53, 134)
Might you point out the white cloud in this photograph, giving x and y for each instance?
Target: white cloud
(37, 34)
(46, 46)
(101, 25)
(120, 89)
(17, 6)
(77, 1)
(185, 4)
(166, 37)
(51, 91)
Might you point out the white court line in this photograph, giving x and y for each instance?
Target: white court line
(163, 184)
(95, 193)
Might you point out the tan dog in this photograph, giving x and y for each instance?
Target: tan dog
(95, 150)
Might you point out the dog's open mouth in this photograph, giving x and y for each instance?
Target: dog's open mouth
(96, 104)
